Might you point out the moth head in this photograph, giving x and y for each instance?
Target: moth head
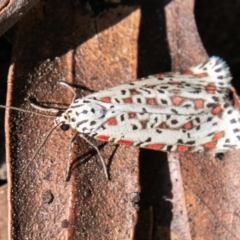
(63, 120)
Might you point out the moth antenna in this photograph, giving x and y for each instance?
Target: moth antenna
(96, 148)
(40, 146)
(52, 110)
(69, 87)
(26, 111)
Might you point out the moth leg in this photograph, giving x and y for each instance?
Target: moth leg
(68, 173)
(65, 84)
(96, 148)
(91, 144)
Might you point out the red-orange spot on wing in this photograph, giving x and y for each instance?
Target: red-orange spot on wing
(188, 125)
(159, 75)
(216, 110)
(218, 135)
(210, 89)
(182, 148)
(151, 101)
(127, 100)
(200, 75)
(131, 115)
(198, 103)
(112, 121)
(163, 125)
(125, 142)
(134, 92)
(187, 73)
(176, 100)
(155, 146)
(105, 99)
(209, 145)
(103, 137)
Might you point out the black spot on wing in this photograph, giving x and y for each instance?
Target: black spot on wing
(211, 105)
(92, 123)
(174, 121)
(236, 130)
(163, 101)
(81, 122)
(209, 119)
(233, 121)
(226, 105)
(148, 139)
(103, 127)
(218, 69)
(94, 134)
(174, 111)
(169, 148)
(77, 106)
(134, 127)
(197, 120)
(210, 134)
(123, 92)
(145, 90)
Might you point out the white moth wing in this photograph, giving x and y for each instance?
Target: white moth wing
(189, 110)
(170, 112)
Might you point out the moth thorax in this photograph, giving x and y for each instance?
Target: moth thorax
(95, 111)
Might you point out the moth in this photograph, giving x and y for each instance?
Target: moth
(193, 111)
